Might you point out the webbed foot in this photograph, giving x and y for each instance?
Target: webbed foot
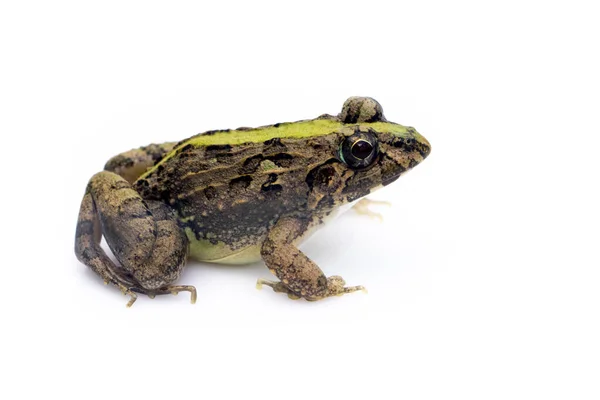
(335, 287)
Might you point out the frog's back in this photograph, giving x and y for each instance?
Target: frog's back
(229, 194)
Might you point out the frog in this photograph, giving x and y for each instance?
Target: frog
(237, 197)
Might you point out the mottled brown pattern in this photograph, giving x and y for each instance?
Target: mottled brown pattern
(361, 109)
(221, 189)
(264, 195)
(144, 237)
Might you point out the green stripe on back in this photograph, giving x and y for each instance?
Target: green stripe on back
(298, 130)
(289, 130)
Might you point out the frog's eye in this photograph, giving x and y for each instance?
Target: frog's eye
(359, 150)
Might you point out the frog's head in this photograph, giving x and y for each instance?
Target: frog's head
(373, 151)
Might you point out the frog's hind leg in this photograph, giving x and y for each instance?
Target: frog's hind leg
(133, 163)
(89, 252)
(144, 237)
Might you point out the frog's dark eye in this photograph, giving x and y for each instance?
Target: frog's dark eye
(359, 150)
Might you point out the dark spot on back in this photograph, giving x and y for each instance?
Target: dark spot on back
(270, 187)
(185, 148)
(282, 160)
(241, 181)
(218, 147)
(208, 133)
(219, 151)
(273, 146)
(251, 165)
(272, 178)
(321, 175)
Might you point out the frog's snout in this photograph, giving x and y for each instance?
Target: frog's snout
(412, 144)
(425, 146)
(418, 145)
(404, 152)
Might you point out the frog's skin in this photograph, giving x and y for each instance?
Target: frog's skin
(236, 196)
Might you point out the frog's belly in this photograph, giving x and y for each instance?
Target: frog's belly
(221, 253)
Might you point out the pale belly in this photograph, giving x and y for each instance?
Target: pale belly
(221, 253)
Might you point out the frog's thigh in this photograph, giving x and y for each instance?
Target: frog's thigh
(133, 163)
(299, 275)
(89, 252)
(144, 237)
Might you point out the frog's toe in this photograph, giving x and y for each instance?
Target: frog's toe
(176, 289)
(127, 292)
(336, 287)
(351, 289)
(362, 207)
(277, 287)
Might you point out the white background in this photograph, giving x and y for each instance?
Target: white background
(483, 279)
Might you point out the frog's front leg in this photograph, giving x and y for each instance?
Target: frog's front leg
(362, 208)
(144, 237)
(299, 275)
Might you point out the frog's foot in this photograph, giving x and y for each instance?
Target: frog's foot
(127, 292)
(173, 289)
(335, 287)
(362, 207)
(298, 275)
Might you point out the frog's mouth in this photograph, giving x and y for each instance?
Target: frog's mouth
(386, 181)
